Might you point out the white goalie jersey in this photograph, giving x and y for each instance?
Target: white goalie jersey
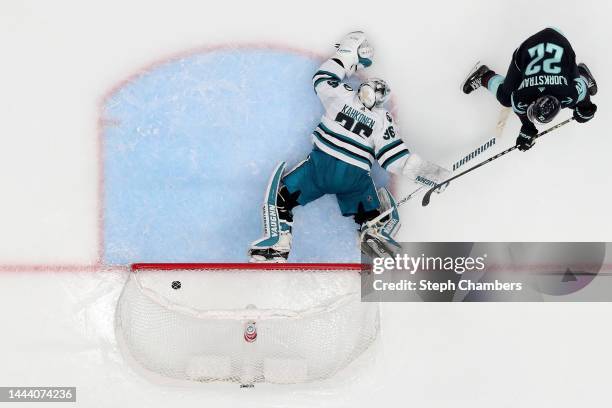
(349, 131)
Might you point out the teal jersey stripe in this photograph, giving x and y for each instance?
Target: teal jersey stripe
(393, 158)
(387, 148)
(327, 73)
(318, 81)
(341, 149)
(345, 139)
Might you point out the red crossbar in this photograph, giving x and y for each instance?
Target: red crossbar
(250, 266)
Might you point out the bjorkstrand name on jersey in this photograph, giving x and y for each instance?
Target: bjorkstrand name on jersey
(543, 80)
(425, 285)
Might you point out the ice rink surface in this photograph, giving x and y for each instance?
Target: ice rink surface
(62, 61)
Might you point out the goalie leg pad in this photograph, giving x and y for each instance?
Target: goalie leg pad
(377, 235)
(387, 204)
(270, 218)
(276, 242)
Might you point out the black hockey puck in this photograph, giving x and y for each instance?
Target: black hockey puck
(176, 285)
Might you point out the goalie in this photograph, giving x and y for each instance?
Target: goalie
(355, 130)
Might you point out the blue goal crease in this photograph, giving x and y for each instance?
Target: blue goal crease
(192, 147)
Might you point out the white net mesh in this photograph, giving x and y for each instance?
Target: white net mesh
(245, 325)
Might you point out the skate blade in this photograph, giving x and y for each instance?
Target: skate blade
(262, 260)
(374, 248)
(474, 68)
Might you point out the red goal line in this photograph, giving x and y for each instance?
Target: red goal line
(252, 266)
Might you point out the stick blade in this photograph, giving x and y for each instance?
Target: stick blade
(427, 197)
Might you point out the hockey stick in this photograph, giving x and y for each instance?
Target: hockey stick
(427, 196)
(484, 146)
(409, 196)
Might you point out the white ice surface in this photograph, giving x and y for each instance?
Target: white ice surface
(60, 58)
(58, 330)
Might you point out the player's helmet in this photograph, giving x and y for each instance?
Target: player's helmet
(374, 92)
(544, 109)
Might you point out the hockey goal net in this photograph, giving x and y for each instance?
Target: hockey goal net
(245, 323)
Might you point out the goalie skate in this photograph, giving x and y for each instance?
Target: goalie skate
(276, 253)
(375, 246)
(377, 235)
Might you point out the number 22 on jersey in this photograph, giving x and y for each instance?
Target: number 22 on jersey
(538, 52)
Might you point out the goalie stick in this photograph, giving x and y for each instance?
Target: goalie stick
(461, 161)
(427, 196)
(484, 146)
(409, 196)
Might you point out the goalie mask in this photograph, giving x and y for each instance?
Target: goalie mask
(374, 92)
(544, 109)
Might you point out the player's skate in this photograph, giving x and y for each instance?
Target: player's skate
(474, 79)
(377, 234)
(276, 253)
(276, 242)
(585, 72)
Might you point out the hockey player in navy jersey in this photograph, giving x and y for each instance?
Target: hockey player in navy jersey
(542, 79)
(355, 131)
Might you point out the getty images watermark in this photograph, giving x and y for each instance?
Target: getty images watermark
(476, 271)
(422, 263)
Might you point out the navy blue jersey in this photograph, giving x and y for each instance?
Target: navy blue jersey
(548, 65)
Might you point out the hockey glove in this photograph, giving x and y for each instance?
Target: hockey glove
(365, 54)
(348, 51)
(583, 112)
(526, 139)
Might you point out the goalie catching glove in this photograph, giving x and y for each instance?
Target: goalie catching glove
(354, 52)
